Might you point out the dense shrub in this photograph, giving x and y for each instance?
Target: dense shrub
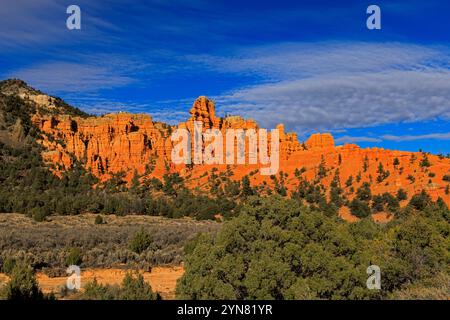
(359, 208)
(141, 242)
(364, 193)
(99, 220)
(132, 288)
(278, 249)
(39, 213)
(74, 257)
(420, 201)
(402, 194)
(8, 265)
(22, 285)
(436, 288)
(385, 202)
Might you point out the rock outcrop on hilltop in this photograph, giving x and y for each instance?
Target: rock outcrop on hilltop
(203, 110)
(130, 143)
(320, 141)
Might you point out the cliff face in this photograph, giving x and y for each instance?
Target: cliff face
(127, 142)
(108, 144)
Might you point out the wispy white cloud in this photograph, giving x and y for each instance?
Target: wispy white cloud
(82, 73)
(329, 86)
(293, 61)
(355, 139)
(433, 136)
(390, 137)
(345, 102)
(71, 77)
(32, 24)
(26, 22)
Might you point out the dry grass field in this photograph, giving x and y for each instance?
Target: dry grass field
(104, 248)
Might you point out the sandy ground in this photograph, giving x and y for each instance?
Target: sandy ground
(162, 279)
(3, 279)
(380, 217)
(344, 213)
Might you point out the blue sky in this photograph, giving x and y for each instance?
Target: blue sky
(312, 65)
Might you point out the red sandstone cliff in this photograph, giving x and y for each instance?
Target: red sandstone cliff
(128, 142)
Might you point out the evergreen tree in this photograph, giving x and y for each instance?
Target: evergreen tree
(364, 193)
(247, 190)
(22, 285)
(401, 194)
(135, 184)
(366, 163)
(396, 162)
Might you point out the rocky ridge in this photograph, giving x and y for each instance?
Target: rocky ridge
(130, 143)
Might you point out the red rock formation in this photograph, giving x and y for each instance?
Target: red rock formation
(108, 144)
(203, 110)
(127, 142)
(319, 141)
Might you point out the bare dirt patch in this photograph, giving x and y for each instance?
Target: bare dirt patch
(344, 213)
(162, 279)
(382, 217)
